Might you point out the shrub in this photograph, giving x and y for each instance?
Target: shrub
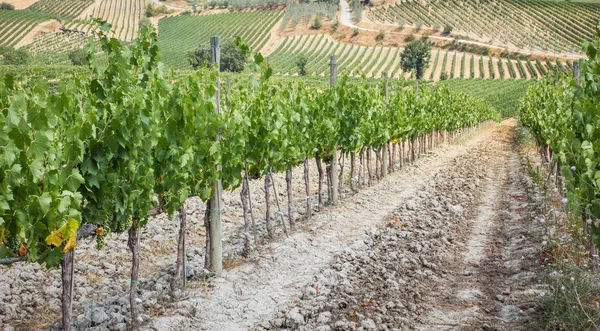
(443, 76)
(334, 27)
(198, 57)
(409, 38)
(154, 11)
(448, 29)
(316, 25)
(144, 21)
(380, 36)
(13, 56)
(401, 23)
(6, 6)
(355, 32)
(78, 57)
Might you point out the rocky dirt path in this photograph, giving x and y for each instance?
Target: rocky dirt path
(455, 253)
(390, 255)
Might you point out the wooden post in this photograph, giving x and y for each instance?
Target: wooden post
(334, 177)
(384, 151)
(216, 248)
(67, 268)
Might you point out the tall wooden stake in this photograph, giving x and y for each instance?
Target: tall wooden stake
(216, 246)
(67, 268)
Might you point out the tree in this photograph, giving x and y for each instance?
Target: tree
(233, 58)
(380, 36)
(6, 6)
(317, 23)
(198, 57)
(301, 62)
(78, 57)
(416, 57)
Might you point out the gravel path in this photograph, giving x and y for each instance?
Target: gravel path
(253, 293)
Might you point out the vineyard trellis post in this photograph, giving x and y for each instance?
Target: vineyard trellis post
(216, 249)
(334, 177)
(384, 151)
(67, 268)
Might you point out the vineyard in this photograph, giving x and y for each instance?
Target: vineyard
(268, 165)
(373, 61)
(179, 34)
(542, 25)
(16, 24)
(56, 42)
(66, 10)
(503, 95)
(49, 174)
(123, 15)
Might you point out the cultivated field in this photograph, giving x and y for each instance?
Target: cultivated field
(529, 25)
(179, 34)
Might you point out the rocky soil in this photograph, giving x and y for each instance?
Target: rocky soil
(447, 242)
(460, 255)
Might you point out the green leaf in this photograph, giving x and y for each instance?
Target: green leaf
(44, 201)
(72, 180)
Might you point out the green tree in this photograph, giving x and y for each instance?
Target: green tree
(78, 57)
(198, 57)
(301, 62)
(317, 23)
(233, 58)
(416, 57)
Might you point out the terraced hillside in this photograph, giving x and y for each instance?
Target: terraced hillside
(374, 60)
(369, 60)
(179, 34)
(56, 42)
(124, 15)
(16, 24)
(524, 24)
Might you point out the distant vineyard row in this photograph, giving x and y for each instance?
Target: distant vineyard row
(373, 61)
(525, 24)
